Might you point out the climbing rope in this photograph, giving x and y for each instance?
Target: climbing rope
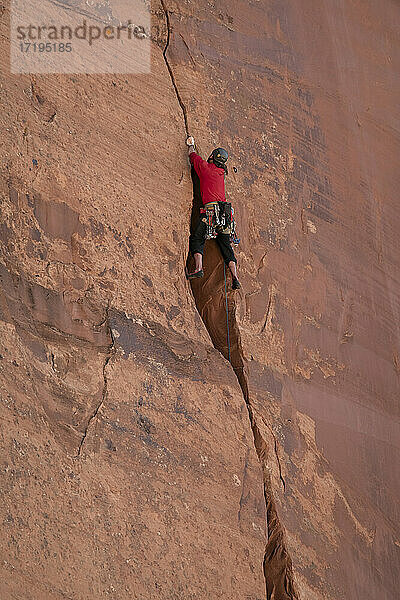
(227, 319)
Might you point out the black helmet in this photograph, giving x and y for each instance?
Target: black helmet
(219, 156)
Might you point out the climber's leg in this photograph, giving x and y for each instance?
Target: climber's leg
(196, 246)
(232, 266)
(224, 243)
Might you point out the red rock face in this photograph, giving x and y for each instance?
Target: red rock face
(134, 462)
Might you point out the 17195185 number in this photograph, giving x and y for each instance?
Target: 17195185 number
(45, 47)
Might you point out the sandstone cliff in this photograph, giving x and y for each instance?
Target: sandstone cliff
(136, 461)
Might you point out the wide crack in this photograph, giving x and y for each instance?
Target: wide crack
(278, 570)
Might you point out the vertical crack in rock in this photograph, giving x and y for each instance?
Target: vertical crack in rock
(246, 460)
(277, 564)
(108, 357)
(279, 463)
(278, 570)
(170, 71)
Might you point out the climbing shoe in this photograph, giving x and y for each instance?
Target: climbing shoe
(196, 275)
(235, 284)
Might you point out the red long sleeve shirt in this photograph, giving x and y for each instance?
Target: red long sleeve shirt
(212, 183)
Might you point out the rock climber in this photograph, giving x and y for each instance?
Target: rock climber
(212, 188)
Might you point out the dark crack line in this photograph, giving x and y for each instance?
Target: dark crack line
(267, 315)
(170, 71)
(246, 460)
(279, 464)
(109, 356)
(261, 263)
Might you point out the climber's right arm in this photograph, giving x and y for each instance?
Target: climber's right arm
(195, 159)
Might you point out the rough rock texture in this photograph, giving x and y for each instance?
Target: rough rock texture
(133, 464)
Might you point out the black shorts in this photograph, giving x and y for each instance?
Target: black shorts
(198, 238)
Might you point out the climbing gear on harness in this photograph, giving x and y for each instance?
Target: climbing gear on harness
(212, 220)
(219, 219)
(225, 213)
(216, 219)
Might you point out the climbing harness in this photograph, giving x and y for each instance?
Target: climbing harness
(212, 220)
(227, 316)
(219, 218)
